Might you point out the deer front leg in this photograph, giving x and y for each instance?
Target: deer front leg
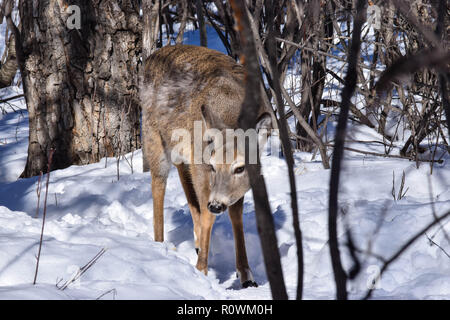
(243, 270)
(207, 220)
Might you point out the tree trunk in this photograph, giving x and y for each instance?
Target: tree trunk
(80, 84)
(313, 68)
(201, 24)
(8, 64)
(184, 15)
(151, 22)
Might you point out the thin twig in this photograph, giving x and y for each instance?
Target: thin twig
(38, 192)
(82, 270)
(442, 249)
(113, 291)
(50, 158)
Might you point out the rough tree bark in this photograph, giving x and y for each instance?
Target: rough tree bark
(8, 65)
(307, 61)
(150, 27)
(80, 84)
(183, 22)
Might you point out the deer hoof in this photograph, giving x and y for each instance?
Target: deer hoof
(249, 283)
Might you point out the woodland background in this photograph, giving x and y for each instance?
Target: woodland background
(328, 68)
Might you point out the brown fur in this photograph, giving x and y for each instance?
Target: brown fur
(179, 83)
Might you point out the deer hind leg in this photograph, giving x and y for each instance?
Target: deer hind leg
(159, 166)
(194, 207)
(243, 270)
(158, 191)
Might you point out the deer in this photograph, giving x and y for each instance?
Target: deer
(191, 88)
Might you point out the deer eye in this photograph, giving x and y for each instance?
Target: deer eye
(239, 170)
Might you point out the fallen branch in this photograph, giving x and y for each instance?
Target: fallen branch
(392, 156)
(82, 270)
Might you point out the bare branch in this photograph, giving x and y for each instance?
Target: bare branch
(350, 84)
(272, 52)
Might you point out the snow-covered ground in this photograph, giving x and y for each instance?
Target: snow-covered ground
(89, 209)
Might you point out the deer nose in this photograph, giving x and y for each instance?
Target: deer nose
(216, 207)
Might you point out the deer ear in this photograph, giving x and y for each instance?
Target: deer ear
(263, 128)
(209, 119)
(264, 122)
